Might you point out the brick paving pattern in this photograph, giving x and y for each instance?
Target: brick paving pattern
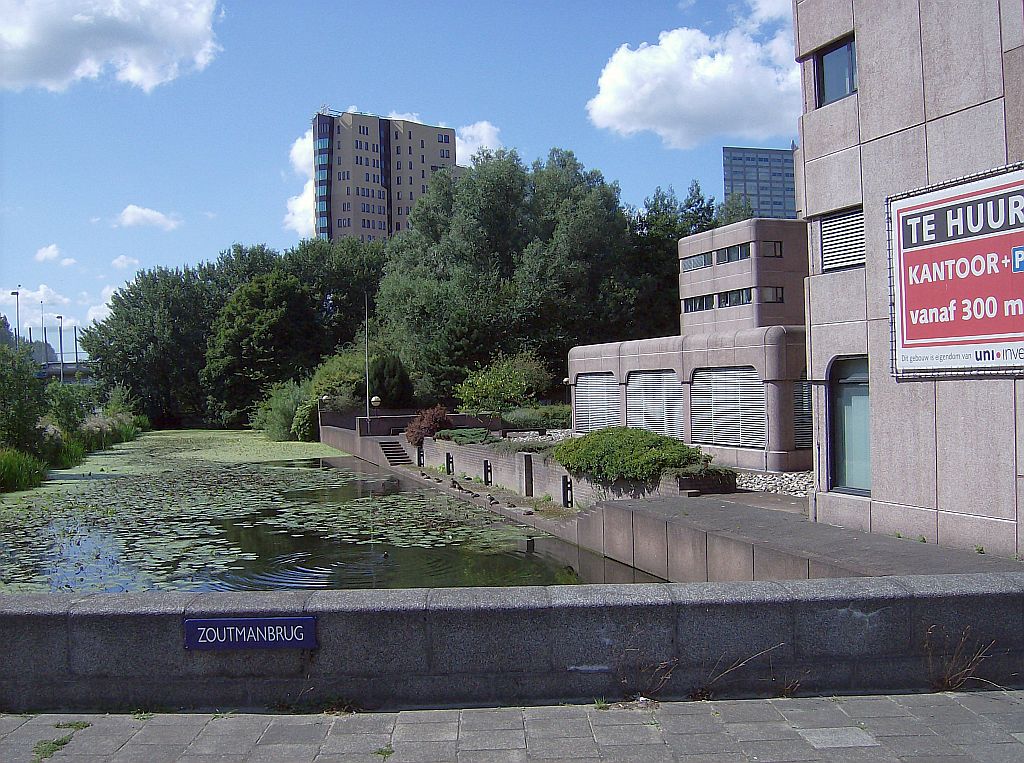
(975, 726)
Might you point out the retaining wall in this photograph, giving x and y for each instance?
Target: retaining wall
(420, 647)
(509, 471)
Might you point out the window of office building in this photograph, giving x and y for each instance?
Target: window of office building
(842, 240)
(771, 294)
(836, 69)
(654, 401)
(850, 426)
(696, 262)
(596, 402)
(734, 297)
(699, 304)
(734, 253)
(728, 407)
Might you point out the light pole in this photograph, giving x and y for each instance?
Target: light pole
(60, 344)
(320, 402)
(17, 312)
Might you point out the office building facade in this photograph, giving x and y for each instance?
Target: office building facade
(369, 171)
(764, 176)
(913, 122)
(734, 381)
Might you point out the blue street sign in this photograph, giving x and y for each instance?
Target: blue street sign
(251, 633)
(1018, 259)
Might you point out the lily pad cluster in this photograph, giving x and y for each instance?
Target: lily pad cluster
(160, 513)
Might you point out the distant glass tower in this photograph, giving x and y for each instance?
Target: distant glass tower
(764, 176)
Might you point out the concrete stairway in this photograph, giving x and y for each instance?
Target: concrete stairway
(394, 453)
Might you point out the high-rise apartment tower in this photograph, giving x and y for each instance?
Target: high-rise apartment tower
(370, 170)
(764, 176)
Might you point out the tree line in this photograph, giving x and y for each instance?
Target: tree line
(508, 258)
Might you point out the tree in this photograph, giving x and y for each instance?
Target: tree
(504, 259)
(6, 335)
(235, 267)
(336, 275)
(154, 342)
(23, 396)
(267, 332)
(390, 381)
(735, 208)
(509, 382)
(68, 405)
(652, 261)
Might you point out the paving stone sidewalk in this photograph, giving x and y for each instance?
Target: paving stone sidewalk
(977, 726)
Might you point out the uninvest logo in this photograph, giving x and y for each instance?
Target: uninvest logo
(1009, 353)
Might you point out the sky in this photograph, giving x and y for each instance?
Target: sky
(136, 134)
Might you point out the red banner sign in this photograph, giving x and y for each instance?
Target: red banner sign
(957, 268)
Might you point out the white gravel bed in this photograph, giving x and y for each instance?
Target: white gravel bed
(786, 483)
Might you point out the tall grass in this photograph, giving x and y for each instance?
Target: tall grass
(19, 471)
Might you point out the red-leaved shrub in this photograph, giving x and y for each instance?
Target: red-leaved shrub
(426, 424)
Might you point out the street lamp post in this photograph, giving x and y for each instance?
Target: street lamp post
(60, 344)
(17, 312)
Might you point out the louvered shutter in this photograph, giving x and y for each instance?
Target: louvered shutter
(803, 431)
(727, 407)
(596, 402)
(654, 401)
(842, 240)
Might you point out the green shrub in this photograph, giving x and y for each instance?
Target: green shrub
(390, 381)
(541, 417)
(68, 405)
(510, 381)
(120, 401)
(426, 424)
(70, 454)
(469, 436)
(342, 375)
(275, 413)
(623, 453)
(19, 471)
(100, 431)
(22, 399)
(141, 422)
(306, 422)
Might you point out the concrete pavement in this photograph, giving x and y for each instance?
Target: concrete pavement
(977, 726)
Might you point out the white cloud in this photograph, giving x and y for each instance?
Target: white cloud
(47, 253)
(57, 43)
(691, 87)
(299, 217)
(68, 262)
(411, 116)
(124, 261)
(771, 10)
(133, 215)
(471, 138)
(94, 220)
(28, 297)
(101, 311)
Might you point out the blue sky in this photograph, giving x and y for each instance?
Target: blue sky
(132, 137)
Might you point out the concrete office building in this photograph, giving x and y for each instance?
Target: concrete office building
(765, 176)
(369, 171)
(734, 381)
(913, 118)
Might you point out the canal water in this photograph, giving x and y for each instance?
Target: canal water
(312, 524)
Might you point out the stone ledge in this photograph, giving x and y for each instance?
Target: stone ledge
(428, 648)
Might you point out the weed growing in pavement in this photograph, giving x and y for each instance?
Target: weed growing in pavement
(76, 725)
(950, 668)
(47, 748)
